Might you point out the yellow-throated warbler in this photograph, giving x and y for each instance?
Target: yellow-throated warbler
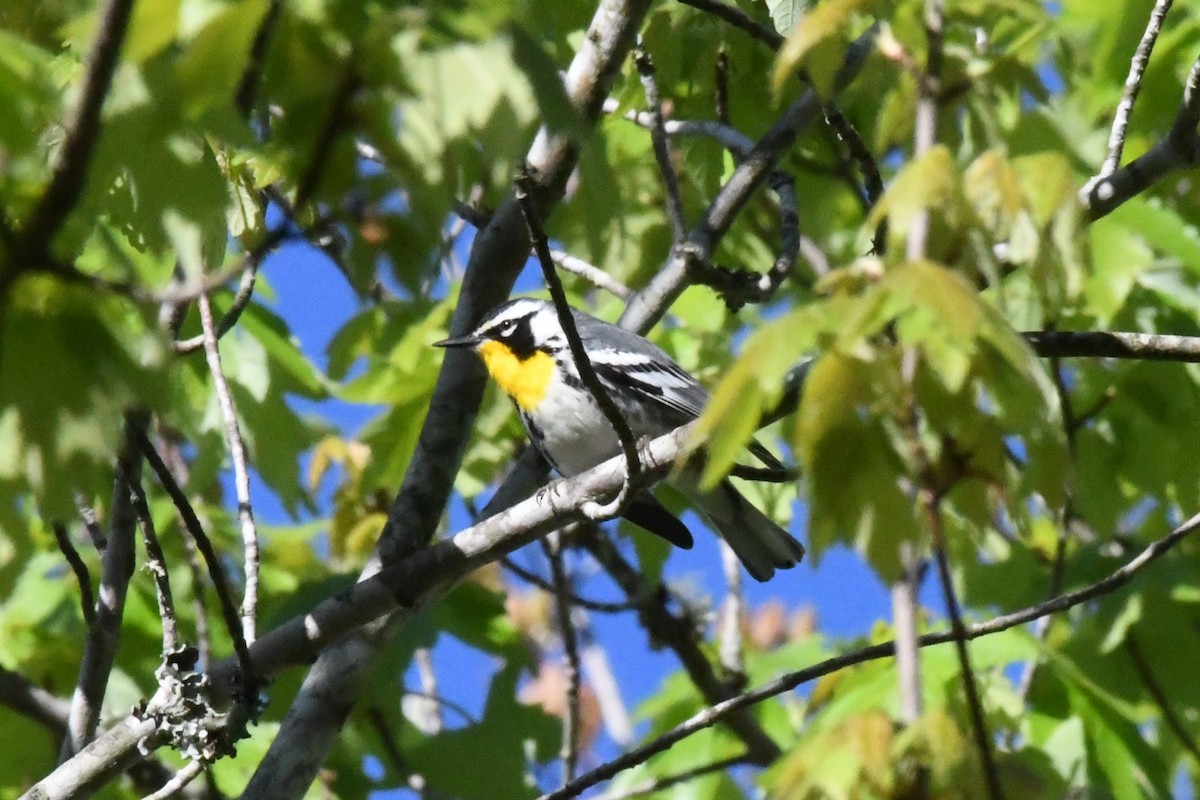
(525, 350)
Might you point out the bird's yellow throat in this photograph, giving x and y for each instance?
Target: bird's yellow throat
(524, 381)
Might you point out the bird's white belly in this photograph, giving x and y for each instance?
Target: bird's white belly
(575, 433)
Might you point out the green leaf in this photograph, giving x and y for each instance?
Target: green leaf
(825, 25)
(212, 63)
(71, 364)
(927, 183)
(752, 387)
(475, 614)
(854, 476)
(501, 734)
(558, 113)
(152, 29)
(785, 14)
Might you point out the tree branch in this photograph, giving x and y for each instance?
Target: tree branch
(247, 91)
(711, 716)
(34, 702)
(650, 786)
(931, 504)
(241, 475)
(243, 685)
(645, 307)
(82, 131)
(1161, 699)
(1133, 85)
(738, 19)
(592, 274)
(575, 600)
(156, 563)
(1179, 149)
(658, 140)
(552, 545)
(498, 254)
(100, 649)
(87, 598)
(1114, 344)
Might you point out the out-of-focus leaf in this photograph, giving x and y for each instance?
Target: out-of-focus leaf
(557, 111)
(928, 183)
(752, 387)
(71, 364)
(826, 24)
(152, 29)
(853, 473)
(475, 614)
(502, 734)
(212, 63)
(785, 14)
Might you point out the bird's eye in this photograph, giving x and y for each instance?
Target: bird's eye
(507, 329)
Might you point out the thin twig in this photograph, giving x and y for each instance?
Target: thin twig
(765, 474)
(868, 168)
(658, 139)
(904, 592)
(199, 604)
(738, 143)
(335, 123)
(1058, 566)
(590, 273)
(241, 475)
(443, 701)
(177, 783)
(603, 683)
(86, 596)
(103, 637)
(1133, 85)
(82, 131)
(582, 602)
(91, 523)
(552, 545)
(739, 19)
(647, 305)
(904, 627)
(428, 708)
(652, 785)
(931, 505)
(925, 134)
(718, 712)
(156, 563)
(721, 87)
(583, 364)
(241, 299)
(216, 571)
(247, 91)
(1179, 149)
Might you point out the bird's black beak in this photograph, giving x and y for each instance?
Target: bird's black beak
(461, 341)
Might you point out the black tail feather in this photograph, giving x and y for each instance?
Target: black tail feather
(646, 512)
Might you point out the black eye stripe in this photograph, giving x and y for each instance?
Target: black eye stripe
(517, 334)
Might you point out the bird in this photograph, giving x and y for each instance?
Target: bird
(525, 351)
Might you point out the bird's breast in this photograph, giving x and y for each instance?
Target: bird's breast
(524, 380)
